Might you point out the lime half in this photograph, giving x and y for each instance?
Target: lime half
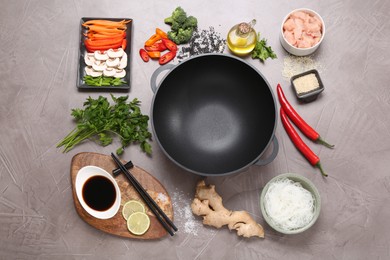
(138, 223)
(131, 207)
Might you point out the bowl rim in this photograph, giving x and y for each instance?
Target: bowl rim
(311, 93)
(313, 12)
(86, 173)
(305, 183)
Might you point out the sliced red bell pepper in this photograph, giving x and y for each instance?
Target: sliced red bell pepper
(105, 42)
(101, 48)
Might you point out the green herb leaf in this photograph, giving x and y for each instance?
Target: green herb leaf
(262, 51)
(100, 119)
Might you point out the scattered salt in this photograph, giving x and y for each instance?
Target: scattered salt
(162, 197)
(184, 217)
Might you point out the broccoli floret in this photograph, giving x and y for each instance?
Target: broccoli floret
(190, 22)
(181, 36)
(181, 26)
(178, 16)
(175, 26)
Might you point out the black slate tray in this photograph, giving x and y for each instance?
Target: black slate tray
(82, 51)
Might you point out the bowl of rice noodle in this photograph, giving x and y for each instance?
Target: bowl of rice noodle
(290, 203)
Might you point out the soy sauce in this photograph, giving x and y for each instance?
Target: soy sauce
(99, 193)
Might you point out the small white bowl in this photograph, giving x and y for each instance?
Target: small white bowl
(306, 184)
(301, 51)
(83, 175)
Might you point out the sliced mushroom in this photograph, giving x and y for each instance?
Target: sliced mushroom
(109, 72)
(112, 62)
(101, 55)
(120, 73)
(91, 72)
(115, 53)
(123, 61)
(89, 58)
(99, 65)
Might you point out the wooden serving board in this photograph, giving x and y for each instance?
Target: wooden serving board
(117, 224)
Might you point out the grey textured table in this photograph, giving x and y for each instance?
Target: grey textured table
(38, 68)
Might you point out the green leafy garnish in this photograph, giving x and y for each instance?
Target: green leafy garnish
(101, 120)
(262, 51)
(103, 81)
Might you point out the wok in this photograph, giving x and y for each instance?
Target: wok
(214, 115)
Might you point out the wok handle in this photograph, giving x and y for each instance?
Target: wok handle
(275, 151)
(153, 79)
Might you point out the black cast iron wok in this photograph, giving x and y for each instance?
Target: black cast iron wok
(214, 115)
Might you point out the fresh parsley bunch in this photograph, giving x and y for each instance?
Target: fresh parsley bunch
(102, 120)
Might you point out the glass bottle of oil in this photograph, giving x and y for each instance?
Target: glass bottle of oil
(241, 38)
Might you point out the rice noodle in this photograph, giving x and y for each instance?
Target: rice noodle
(288, 204)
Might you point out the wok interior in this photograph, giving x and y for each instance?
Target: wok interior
(213, 114)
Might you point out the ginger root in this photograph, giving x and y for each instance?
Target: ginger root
(208, 204)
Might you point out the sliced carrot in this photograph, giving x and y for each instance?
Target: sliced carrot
(105, 34)
(102, 29)
(96, 36)
(107, 23)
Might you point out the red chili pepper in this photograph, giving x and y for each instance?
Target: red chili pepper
(167, 57)
(298, 142)
(144, 55)
(157, 46)
(298, 121)
(170, 45)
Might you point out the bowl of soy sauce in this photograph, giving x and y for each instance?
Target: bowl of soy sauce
(97, 192)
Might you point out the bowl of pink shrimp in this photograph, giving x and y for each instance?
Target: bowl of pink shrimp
(302, 32)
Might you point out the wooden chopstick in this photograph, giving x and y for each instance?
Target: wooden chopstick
(157, 211)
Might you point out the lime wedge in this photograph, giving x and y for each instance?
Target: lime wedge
(131, 207)
(138, 223)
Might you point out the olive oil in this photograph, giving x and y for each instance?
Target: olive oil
(242, 38)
